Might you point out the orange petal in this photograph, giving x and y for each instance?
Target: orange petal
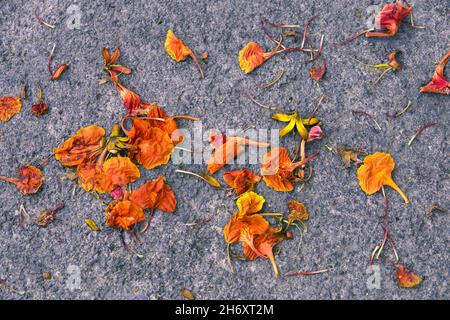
(241, 180)
(78, 148)
(251, 56)
(123, 214)
(58, 72)
(155, 150)
(406, 278)
(438, 83)
(120, 170)
(176, 48)
(9, 106)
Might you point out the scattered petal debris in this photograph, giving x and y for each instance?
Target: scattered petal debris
(30, 180)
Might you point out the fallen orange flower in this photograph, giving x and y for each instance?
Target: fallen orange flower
(241, 180)
(229, 150)
(9, 106)
(81, 147)
(375, 172)
(264, 244)
(178, 51)
(389, 19)
(278, 169)
(406, 278)
(253, 56)
(31, 179)
(123, 214)
(438, 83)
(156, 194)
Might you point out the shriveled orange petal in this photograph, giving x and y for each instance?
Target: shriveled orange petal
(155, 194)
(58, 72)
(87, 174)
(9, 106)
(123, 214)
(78, 148)
(131, 100)
(252, 55)
(317, 73)
(30, 180)
(241, 180)
(406, 278)
(176, 48)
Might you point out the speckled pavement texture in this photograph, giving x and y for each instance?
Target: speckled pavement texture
(344, 222)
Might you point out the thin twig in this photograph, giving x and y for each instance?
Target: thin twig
(272, 82)
(368, 115)
(252, 99)
(399, 113)
(419, 131)
(308, 273)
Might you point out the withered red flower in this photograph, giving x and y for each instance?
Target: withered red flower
(241, 180)
(9, 106)
(439, 83)
(81, 147)
(389, 19)
(30, 180)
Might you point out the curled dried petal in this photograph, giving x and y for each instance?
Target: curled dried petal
(58, 72)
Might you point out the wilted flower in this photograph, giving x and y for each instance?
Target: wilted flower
(389, 19)
(81, 147)
(30, 180)
(438, 83)
(315, 133)
(253, 55)
(178, 51)
(406, 278)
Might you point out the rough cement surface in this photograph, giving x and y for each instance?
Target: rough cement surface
(343, 227)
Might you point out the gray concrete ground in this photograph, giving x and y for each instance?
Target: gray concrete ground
(343, 227)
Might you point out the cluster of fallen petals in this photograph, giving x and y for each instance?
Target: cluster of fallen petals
(249, 226)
